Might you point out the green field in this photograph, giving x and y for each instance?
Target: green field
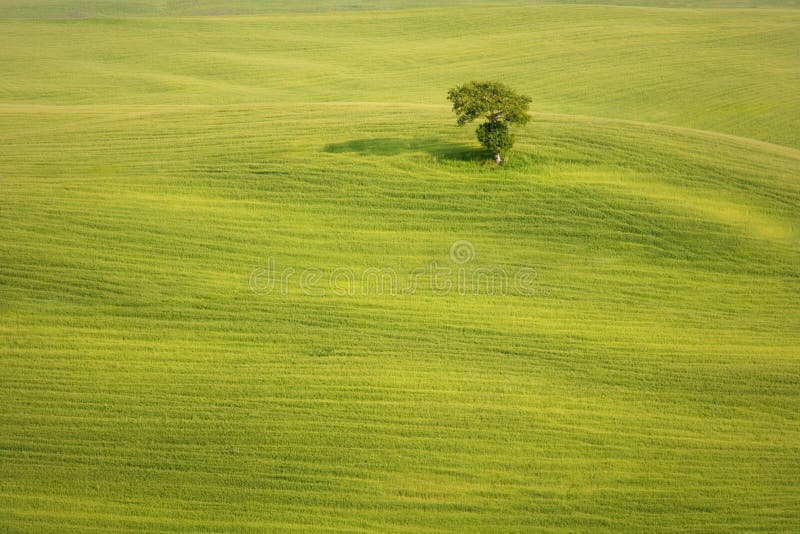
(151, 162)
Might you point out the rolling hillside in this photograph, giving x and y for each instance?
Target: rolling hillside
(648, 381)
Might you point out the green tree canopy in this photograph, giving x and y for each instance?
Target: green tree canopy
(500, 105)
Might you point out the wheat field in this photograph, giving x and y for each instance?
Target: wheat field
(153, 161)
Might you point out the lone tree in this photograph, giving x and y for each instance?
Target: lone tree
(501, 107)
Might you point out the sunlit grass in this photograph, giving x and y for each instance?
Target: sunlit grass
(148, 166)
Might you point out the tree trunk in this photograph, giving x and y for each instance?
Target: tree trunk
(498, 159)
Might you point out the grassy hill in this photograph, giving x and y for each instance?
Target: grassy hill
(59, 9)
(732, 71)
(650, 381)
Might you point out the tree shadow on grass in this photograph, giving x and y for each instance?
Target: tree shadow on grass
(435, 147)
